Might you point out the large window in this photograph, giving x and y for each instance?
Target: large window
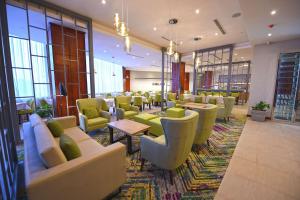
(108, 77)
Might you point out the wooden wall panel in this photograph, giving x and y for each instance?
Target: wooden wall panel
(187, 81)
(178, 76)
(69, 67)
(126, 80)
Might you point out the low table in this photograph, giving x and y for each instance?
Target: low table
(129, 128)
(196, 105)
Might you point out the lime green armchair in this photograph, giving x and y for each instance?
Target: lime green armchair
(148, 100)
(124, 110)
(103, 104)
(207, 118)
(138, 101)
(224, 111)
(87, 121)
(157, 99)
(172, 149)
(171, 96)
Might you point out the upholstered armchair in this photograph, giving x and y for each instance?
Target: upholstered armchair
(90, 122)
(207, 118)
(103, 104)
(157, 99)
(224, 111)
(124, 110)
(148, 100)
(171, 96)
(171, 149)
(138, 101)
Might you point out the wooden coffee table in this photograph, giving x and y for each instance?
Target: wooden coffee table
(129, 128)
(196, 105)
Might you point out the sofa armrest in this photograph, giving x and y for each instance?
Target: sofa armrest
(134, 108)
(83, 122)
(120, 113)
(93, 176)
(105, 114)
(67, 122)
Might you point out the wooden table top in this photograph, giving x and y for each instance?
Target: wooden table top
(196, 105)
(128, 126)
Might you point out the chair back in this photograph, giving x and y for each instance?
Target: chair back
(137, 101)
(122, 99)
(87, 103)
(171, 96)
(157, 98)
(147, 95)
(103, 104)
(207, 118)
(179, 136)
(228, 104)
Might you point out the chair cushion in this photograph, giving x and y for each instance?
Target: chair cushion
(212, 101)
(175, 112)
(198, 99)
(97, 121)
(155, 127)
(55, 128)
(91, 113)
(130, 114)
(69, 147)
(76, 134)
(125, 106)
(89, 146)
(144, 117)
(48, 149)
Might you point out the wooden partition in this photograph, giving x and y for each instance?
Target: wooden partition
(69, 59)
(126, 80)
(178, 77)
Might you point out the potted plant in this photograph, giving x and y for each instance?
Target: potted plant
(258, 112)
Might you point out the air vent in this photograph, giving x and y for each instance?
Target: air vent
(155, 66)
(219, 26)
(137, 56)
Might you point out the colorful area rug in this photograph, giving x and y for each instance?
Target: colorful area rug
(200, 180)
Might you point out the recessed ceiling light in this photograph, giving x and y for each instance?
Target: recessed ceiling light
(132, 57)
(180, 42)
(235, 54)
(273, 12)
(197, 11)
(118, 45)
(154, 28)
(269, 34)
(147, 54)
(216, 34)
(103, 2)
(242, 57)
(104, 51)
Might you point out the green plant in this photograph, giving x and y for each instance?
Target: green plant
(44, 111)
(262, 106)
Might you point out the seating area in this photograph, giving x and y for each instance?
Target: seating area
(149, 100)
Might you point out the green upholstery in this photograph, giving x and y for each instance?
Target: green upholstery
(175, 112)
(171, 149)
(155, 127)
(224, 94)
(198, 99)
(224, 111)
(91, 113)
(212, 100)
(125, 106)
(157, 99)
(55, 128)
(95, 123)
(103, 104)
(108, 95)
(69, 147)
(208, 93)
(148, 101)
(235, 94)
(171, 96)
(144, 118)
(122, 113)
(207, 118)
(138, 101)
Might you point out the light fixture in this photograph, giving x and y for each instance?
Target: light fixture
(194, 55)
(127, 46)
(148, 54)
(123, 30)
(176, 56)
(273, 12)
(269, 34)
(103, 2)
(181, 42)
(197, 11)
(104, 51)
(132, 57)
(197, 61)
(117, 22)
(154, 28)
(117, 45)
(170, 50)
(216, 34)
(235, 54)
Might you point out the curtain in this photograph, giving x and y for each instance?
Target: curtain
(108, 77)
(20, 58)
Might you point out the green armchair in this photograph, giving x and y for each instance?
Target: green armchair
(124, 110)
(148, 100)
(103, 104)
(89, 123)
(157, 99)
(171, 96)
(224, 111)
(207, 118)
(172, 149)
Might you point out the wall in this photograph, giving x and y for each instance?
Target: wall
(264, 70)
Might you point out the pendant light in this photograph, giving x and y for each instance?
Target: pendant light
(127, 46)
(176, 57)
(170, 50)
(123, 30)
(194, 55)
(117, 22)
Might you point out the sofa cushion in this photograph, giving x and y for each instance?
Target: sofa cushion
(125, 106)
(76, 134)
(198, 99)
(35, 119)
(212, 101)
(89, 146)
(91, 113)
(144, 118)
(48, 149)
(129, 114)
(175, 112)
(55, 128)
(69, 147)
(156, 127)
(97, 121)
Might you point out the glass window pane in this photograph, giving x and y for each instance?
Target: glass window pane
(53, 14)
(19, 50)
(38, 41)
(42, 90)
(36, 16)
(23, 82)
(40, 70)
(17, 22)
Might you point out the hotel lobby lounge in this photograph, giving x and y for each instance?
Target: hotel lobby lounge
(128, 99)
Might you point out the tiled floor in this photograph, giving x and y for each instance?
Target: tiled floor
(265, 164)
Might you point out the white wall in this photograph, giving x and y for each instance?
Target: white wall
(264, 70)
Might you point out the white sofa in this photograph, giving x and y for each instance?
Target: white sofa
(97, 173)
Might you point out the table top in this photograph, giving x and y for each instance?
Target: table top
(196, 105)
(128, 126)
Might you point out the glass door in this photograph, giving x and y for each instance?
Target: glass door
(287, 103)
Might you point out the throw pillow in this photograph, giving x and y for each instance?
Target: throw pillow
(55, 128)
(125, 106)
(198, 99)
(69, 147)
(91, 113)
(212, 101)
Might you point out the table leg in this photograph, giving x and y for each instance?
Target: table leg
(111, 135)
(129, 144)
(146, 132)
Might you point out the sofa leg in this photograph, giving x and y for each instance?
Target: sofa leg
(207, 141)
(142, 163)
(188, 163)
(171, 177)
(225, 120)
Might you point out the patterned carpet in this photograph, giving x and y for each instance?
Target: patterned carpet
(200, 180)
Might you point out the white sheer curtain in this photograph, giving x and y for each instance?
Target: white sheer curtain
(108, 77)
(20, 57)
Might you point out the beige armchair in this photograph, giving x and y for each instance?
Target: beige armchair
(124, 109)
(172, 149)
(224, 111)
(87, 124)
